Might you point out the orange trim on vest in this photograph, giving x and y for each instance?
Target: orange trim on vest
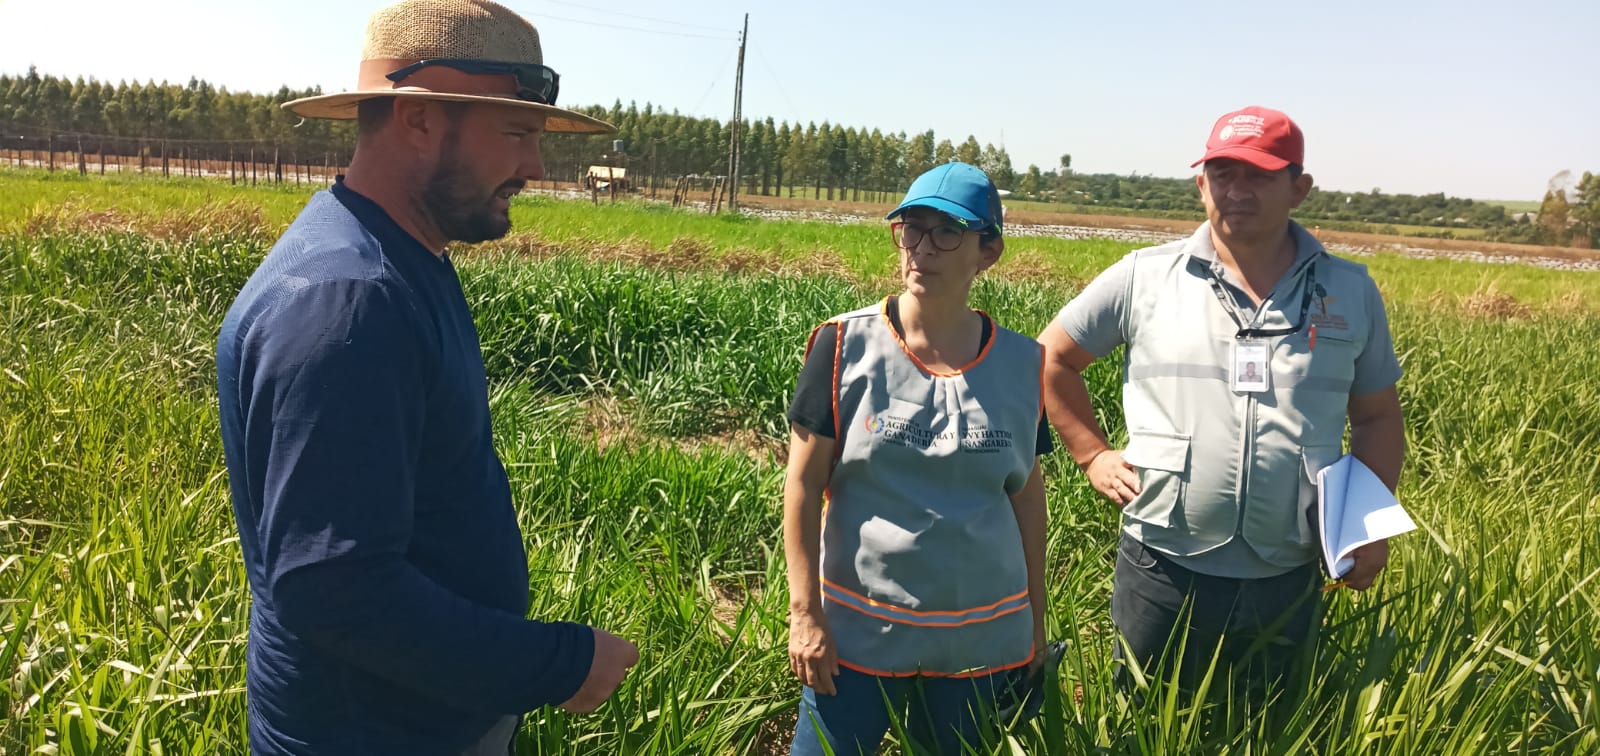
(838, 429)
(986, 671)
(838, 435)
(874, 602)
(811, 341)
(883, 312)
(914, 623)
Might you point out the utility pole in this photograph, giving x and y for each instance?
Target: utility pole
(734, 129)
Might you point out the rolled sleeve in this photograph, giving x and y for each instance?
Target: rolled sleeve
(1377, 366)
(1095, 318)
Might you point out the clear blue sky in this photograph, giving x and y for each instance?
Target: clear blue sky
(1472, 98)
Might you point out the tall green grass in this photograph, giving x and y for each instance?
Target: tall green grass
(204, 208)
(30, 191)
(639, 412)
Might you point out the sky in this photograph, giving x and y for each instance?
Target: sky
(1477, 99)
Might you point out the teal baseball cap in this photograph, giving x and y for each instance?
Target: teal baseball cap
(958, 190)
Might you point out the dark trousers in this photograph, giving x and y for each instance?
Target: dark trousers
(1254, 628)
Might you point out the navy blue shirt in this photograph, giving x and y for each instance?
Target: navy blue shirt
(386, 568)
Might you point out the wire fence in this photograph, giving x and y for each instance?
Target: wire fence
(252, 162)
(240, 161)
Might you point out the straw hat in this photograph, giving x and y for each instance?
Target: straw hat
(413, 31)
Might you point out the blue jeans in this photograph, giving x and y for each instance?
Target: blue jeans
(939, 714)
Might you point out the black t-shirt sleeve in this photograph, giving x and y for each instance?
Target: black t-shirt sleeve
(812, 407)
(1046, 442)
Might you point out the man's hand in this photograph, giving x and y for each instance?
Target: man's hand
(612, 658)
(812, 655)
(1370, 560)
(1114, 478)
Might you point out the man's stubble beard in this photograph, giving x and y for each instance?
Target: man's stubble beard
(457, 208)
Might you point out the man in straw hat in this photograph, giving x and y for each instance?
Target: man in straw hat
(387, 569)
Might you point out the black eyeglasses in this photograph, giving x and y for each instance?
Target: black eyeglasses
(535, 83)
(945, 236)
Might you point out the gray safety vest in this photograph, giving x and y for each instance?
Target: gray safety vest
(922, 563)
(1216, 464)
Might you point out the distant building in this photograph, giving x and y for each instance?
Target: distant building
(603, 176)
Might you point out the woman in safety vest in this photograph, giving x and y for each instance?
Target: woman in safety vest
(914, 510)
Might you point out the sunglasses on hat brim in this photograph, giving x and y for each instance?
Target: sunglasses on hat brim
(535, 82)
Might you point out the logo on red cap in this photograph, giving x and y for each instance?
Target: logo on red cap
(1262, 137)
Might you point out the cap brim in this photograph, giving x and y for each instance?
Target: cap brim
(1258, 158)
(342, 106)
(937, 203)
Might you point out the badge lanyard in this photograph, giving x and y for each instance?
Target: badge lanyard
(1251, 370)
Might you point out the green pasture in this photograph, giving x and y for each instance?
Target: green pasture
(640, 362)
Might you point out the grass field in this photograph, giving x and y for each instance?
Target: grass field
(640, 361)
(1402, 229)
(1517, 206)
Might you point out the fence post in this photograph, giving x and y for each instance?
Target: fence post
(166, 164)
(50, 143)
(83, 168)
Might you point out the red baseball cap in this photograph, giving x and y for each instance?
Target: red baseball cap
(1262, 137)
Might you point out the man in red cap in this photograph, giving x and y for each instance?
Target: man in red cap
(388, 577)
(1250, 350)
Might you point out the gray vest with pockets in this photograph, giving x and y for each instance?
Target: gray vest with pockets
(1216, 464)
(922, 563)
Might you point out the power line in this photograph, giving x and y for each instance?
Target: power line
(775, 80)
(630, 28)
(715, 80)
(634, 16)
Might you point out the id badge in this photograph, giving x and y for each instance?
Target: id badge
(1250, 367)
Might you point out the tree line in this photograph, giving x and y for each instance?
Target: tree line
(824, 160)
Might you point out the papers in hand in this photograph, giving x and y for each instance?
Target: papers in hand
(1354, 509)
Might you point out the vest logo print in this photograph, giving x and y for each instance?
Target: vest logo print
(912, 433)
(1334, 320)
(1242, 126)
